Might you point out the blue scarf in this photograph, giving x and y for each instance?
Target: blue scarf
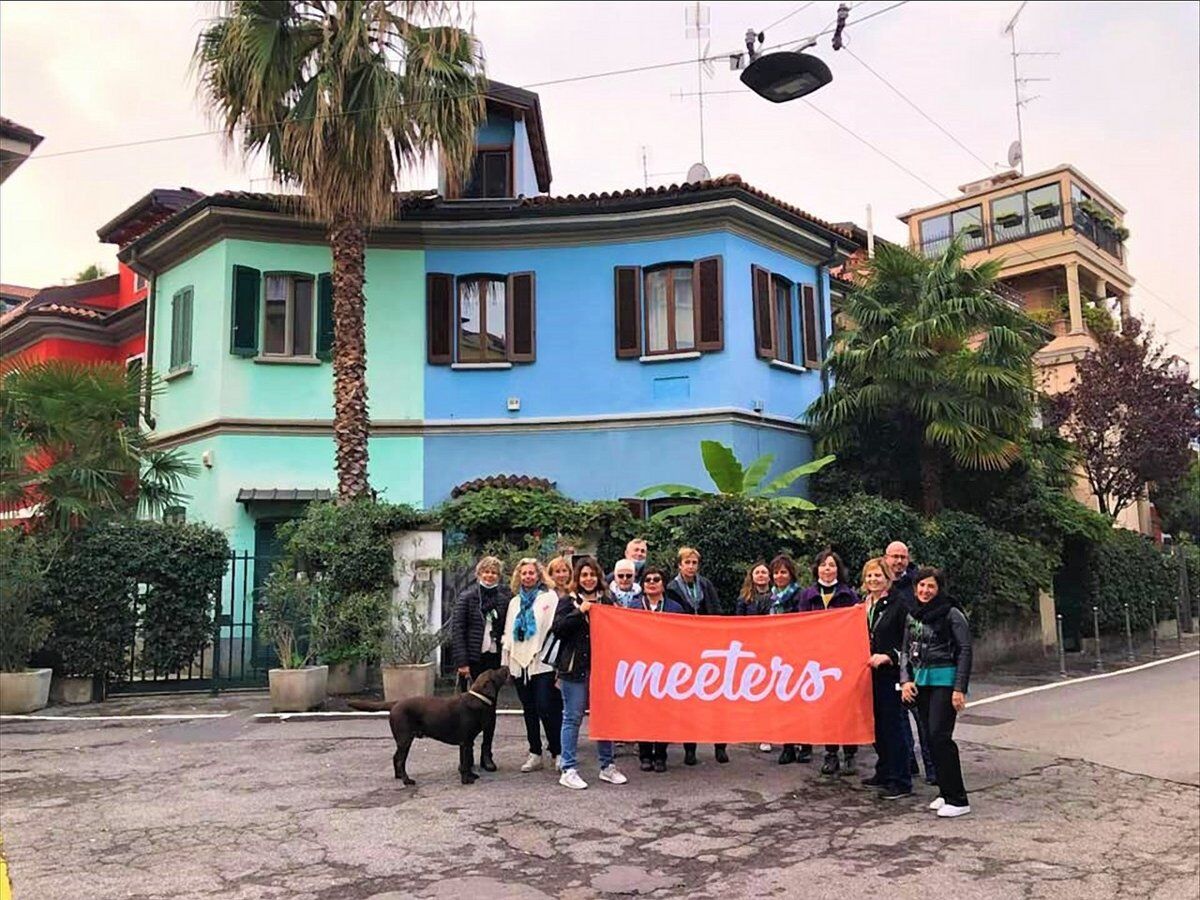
(779, 599)
(525, 624)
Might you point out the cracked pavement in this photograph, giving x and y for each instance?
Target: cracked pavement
(307, 808)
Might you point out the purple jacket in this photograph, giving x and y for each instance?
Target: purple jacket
(843, 596)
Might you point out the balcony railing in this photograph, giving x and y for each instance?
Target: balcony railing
(1096, 231)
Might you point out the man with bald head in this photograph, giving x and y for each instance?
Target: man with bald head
(903, 571)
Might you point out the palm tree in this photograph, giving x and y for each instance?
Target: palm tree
(340, 97)
(732, 479)
(70, 446)
(931, 351)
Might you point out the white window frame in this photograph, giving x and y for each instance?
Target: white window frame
(289, 317)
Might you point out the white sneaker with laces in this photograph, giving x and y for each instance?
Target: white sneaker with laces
(533, 763)
(764, 748)
(570, 778)
(937, 804)
(950, 812)
(612, 775)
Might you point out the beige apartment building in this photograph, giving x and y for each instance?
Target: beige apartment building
(1061, 241)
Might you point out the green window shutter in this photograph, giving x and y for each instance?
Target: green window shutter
(324, 316)
(175, 315)
(243, 338)
(185, 343)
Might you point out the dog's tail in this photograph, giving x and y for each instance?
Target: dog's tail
(371, 705)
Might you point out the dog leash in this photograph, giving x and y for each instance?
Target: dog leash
(489, 701)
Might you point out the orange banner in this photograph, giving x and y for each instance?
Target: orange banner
(801, 678)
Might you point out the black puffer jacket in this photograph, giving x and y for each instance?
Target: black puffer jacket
(757, 605)
(937, 634)
(466, 623)
(573, 631)
(708, 604)
(886, 622)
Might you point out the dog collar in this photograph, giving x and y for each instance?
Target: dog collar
(486, 700)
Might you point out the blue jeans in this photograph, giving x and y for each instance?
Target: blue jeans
(575, 699)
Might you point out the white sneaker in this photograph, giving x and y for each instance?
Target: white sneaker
(764, 748)
(570, 778)
(949, 812)
(533, 763)
(937, 804)
(612, 775)
(557, 763)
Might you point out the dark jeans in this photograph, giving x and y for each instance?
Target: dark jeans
(542, 704)
(935, 707)
(848, 749)
(486, 661)
(891, 723)
(652, 750)
(691, 748)
(923, 736)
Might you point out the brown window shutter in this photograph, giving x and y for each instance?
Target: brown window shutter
(709, 306)
(439, 318)
(636, 506)
(628, 301)
(521, 332)
(812, 340)
(764, 314)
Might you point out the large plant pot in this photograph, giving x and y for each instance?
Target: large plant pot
(298, 690)
(347, 678)
(400, 682)
(24, 692)
(72, 689)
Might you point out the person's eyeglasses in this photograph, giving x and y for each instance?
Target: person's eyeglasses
(653, 579)
(624, 575)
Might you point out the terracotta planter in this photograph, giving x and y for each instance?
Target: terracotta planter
(298, 690)
(24, 692)
(347, 678)
(400, 682)
(72, 689)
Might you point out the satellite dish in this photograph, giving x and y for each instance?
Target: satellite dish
(1015, 156)
(698, 172)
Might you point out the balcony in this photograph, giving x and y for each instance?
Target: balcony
(1003, 231)
(1097, 231)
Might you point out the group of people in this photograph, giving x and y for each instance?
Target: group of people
(537, 626)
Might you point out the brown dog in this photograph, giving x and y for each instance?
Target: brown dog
(451, 720)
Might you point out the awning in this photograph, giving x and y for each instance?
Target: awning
(283, 495)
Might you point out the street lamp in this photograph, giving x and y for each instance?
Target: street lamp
(783, 76)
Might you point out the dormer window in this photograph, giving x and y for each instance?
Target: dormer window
(491, 176)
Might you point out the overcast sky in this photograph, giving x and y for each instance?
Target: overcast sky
(1122, 104)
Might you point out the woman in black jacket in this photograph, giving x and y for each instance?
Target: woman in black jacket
(574, 665)
(754, 599)
(935, 674)
(475, 633)
(885, 621)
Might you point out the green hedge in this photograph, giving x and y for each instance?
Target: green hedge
(860, 526)
(1127, 567)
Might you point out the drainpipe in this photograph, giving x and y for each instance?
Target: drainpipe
(823, 294)
(148, 366)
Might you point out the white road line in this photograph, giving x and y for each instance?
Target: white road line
(167, 717)
(1070, 681)
(320, 714)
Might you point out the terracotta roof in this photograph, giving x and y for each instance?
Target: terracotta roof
(145, 213)
(16, 290)
(517, 482)
(72, 312)
(67, 300)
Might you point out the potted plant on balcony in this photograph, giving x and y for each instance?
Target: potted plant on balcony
(1046, 210)
(22, 629)
(292, 610)
(357, 624)
(408, 670)
(1010, 220)
(972, 231)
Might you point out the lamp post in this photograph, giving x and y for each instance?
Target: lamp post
(785, 75)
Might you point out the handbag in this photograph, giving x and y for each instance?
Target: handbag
(551, 650)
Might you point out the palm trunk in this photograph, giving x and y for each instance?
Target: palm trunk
(351, 420)
(931, 480)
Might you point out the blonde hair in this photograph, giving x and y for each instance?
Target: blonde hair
(515, 583)
(880, 563)
(558, 561)
(685, 552)
(747, 591)
(489, 562)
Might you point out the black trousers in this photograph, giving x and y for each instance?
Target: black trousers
(935, 707)
(486, 661)
(542, 704)
(691, 747)
(891, 767)
(652, 750)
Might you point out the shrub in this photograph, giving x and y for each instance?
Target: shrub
(1126, 567)
(22, 597)
(292, 609)
(356, 625)
(861, 526)
(409, 641)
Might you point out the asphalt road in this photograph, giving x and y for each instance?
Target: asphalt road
(1088, 790)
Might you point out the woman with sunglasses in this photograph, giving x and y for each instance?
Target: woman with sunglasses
(653, 754)
(625, 589)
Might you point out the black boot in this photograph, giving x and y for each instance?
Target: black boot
(720, 754)
(830, 766)
(485, 760)
(849, 765)
(788, 756)
(689, 756)
(805, 754)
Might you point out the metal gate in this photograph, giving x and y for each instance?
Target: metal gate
(238, 656)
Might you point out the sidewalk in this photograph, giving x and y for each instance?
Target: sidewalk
(996, 679)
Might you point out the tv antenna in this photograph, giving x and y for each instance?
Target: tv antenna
(696, 20)
(646, 173)
(1016, 152)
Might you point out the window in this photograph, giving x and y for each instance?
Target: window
(787, 324)
(965, 224)
(669, 308)
(490, 176)
(175, 515)
(288, 315)
(480, 319)
(1030, 212)
(181, 330)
